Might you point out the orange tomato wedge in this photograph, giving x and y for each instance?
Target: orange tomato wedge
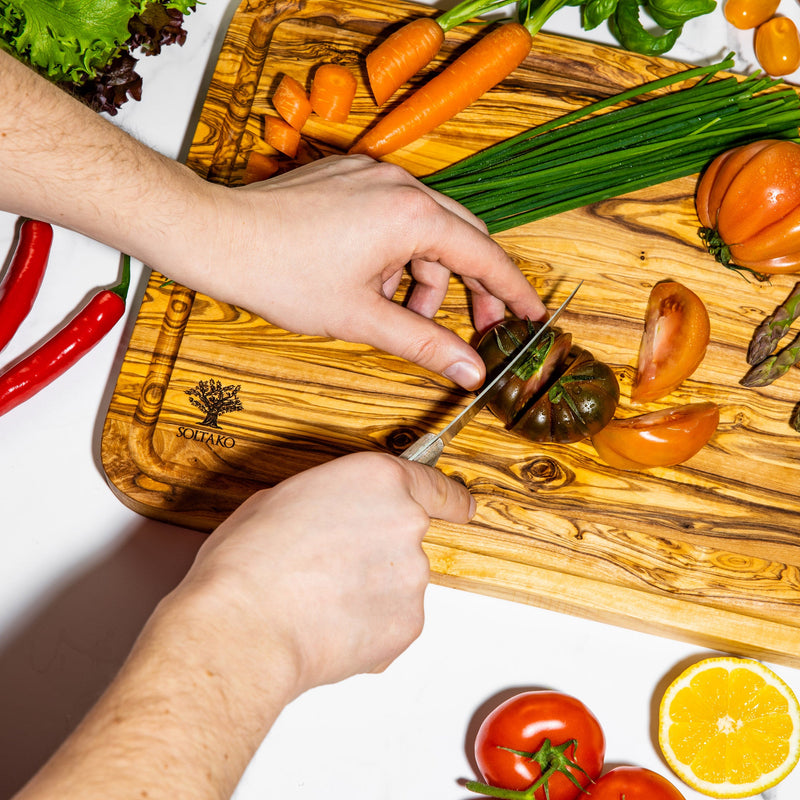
(659, 439)
(676, 335)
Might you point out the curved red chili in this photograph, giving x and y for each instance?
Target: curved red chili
(25, 378)
(24, 276)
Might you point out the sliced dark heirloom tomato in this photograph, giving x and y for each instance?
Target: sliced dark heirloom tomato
(577, 404)
(500, 343)
(560, 394)
(659, 439)
(676, 334)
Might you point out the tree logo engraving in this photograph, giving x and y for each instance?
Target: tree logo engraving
(214, 400)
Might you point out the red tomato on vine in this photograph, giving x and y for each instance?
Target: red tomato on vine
(632, 783)
(545, 742)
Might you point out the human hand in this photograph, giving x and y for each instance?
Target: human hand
(326, 568)
(321, 250)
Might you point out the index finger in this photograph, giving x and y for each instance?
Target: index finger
(440, 496)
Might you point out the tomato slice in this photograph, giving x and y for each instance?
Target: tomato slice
(659, 439)
(676, 334)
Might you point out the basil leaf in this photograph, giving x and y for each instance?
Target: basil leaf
(594, 12)
(628, 30)
(674, 13)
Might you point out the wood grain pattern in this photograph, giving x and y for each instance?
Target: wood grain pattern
(707, 551)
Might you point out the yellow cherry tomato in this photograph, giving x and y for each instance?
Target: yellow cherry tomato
(746, 14)
(778, 46)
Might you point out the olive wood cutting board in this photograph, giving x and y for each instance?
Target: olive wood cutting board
(707, 552)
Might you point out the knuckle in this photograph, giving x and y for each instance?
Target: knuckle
(422, 350)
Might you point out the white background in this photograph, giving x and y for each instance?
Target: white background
(79, 572)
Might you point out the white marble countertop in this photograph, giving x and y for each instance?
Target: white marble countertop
(80, 572)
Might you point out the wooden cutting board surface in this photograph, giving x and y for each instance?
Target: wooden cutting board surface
(707, 552)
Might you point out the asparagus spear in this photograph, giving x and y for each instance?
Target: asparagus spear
(773, 329)
(771, 368)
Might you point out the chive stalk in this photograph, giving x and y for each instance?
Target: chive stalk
(641, 139)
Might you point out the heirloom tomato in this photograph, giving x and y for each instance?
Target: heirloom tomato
(676, 333)
(560, 393)
(632, 783)
(748, 202)
(747, 14)
(501, 342)
(536, 734)
(659, 439)
(777, 46)
(578, 403)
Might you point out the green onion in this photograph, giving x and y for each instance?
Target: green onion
(584, 157)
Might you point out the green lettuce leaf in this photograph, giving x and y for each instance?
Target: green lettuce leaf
(70, 40)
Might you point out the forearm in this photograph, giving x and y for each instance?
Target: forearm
(63, 163)
(181, 720)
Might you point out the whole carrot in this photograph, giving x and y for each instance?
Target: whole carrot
(409, 48)
(494, 56)
(24, 276)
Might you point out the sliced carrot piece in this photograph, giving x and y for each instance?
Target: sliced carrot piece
(333, 89)
(259, 167)
(291, 102)
(281, 135)
(401, 55)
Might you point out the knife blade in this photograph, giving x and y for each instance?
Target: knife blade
(429, 446)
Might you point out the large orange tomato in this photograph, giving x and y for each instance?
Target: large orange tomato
(676, 334)
(748, 202)
(659, 439)
(777, 46)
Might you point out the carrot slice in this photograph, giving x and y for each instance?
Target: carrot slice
(400, 56)
(291, 102)
(332, 91)
(281, 135)
(259, 167)
(492, 58)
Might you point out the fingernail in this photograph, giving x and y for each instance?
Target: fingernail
(464, 374)
(473, 507)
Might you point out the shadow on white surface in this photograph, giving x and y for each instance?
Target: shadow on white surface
(60, 659)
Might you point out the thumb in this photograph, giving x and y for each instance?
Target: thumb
(440, 496)
(402, 332)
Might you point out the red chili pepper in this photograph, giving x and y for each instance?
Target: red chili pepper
(24, 379)
(24, 276)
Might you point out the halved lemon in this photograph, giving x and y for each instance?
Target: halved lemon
(729, 727)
